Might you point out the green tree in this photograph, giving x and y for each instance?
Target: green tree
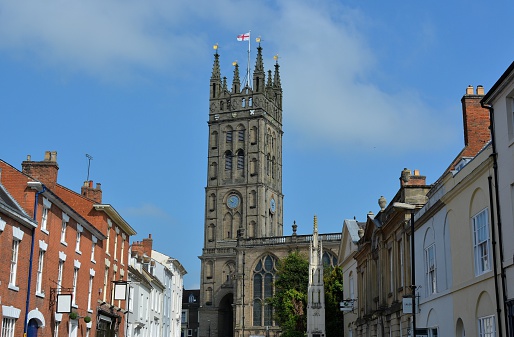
(333, 280)
(290, 298)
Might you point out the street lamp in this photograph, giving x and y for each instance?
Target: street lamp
(411, 208)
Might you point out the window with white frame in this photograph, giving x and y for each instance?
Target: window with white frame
(90, 291)
(93, 245)
(122, 254)
(75, 278)
(115, 244)
(64, 226)
(190, 332)
(77, 240)
(108, 236)
(481, 242)
(60, 268)
(39, 276)
(486, 326)
(44, 217)
(8, 324)
(14, 262)
(430, 269)
(106, 282)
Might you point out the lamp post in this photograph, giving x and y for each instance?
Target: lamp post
(411, 208)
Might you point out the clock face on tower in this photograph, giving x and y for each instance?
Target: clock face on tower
(272, 205)
(233, 201)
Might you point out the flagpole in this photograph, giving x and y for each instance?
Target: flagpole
(248, 65)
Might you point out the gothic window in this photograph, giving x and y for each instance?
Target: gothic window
(240, 159)
(214, 140)
(214, 171)
(263, 277)
(243, 103)
(228, 161)
(329, 259)
(229, 136)
(222, 105)
(250, 101)
(273, 168)
(236, 223)
(241, 135)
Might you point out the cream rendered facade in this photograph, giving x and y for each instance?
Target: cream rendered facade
(501, 101)
(454, 257)
(349, 239)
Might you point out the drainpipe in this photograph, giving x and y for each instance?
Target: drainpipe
(495, 259)
(498, 213)
(40, 189)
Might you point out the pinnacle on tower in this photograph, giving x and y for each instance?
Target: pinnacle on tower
(216, 73)
(258, 74)
(224, 88)
(236, 83)
(276, 80)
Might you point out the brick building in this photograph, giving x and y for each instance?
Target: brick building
(79, 248)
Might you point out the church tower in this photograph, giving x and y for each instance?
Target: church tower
(316, 288)
(243, 196)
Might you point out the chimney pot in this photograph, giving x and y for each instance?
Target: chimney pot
(480, 90)
(28, 157)
(91, 184)
(416, 172)
(469, 90)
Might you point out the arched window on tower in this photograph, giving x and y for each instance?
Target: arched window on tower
(208, 269)
(228, 161)
(263, 277)
(250, 101)
(243, 103)
(240, 160)
(253, 199)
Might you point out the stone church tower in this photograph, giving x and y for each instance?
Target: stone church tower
(243, 228)
(316, 288)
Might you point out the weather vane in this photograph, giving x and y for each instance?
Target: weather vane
(89, 158)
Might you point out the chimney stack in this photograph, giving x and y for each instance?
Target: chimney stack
(89, 192)
(147, 245)
(475, 120)
(408, 179)
(45, 171)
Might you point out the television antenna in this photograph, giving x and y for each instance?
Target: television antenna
(89, 158)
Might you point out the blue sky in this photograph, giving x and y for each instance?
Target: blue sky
(370, 87)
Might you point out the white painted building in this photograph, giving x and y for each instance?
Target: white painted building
(500, 100)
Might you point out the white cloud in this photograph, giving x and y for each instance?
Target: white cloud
(148, 211)
(327, 64)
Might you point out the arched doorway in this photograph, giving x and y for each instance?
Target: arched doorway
(32, 328)
(226, 317)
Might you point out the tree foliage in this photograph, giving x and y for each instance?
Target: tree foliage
(290, 297)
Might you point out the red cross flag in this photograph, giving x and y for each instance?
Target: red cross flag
(243, 37)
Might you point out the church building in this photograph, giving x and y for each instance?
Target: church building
(243, 229)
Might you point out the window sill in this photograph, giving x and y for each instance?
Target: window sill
(38, 294)
(75, 306)
(93, 261)
(78, 252)
(13, 287)
(44, 230)
(64, 243)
